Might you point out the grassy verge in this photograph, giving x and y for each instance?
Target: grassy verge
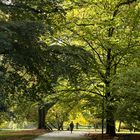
(118, 136)
(20, 135)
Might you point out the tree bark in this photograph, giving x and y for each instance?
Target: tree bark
(119, 128)
(41, 117)
(110, 126)
(42, 111)
(110, 122)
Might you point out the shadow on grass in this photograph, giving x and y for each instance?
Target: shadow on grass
(118, 137)
(20, 135)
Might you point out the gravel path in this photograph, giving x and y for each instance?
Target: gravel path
(63, 135)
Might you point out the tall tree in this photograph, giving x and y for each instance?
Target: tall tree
(126, 86)
(109, 30)
(21, 36)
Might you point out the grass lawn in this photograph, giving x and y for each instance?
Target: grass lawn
(20, 135)
(123, 136)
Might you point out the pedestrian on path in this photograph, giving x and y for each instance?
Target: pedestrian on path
(77, 125)
(71, 126)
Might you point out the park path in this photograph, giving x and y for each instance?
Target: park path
(63, 135)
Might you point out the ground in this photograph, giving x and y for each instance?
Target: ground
(62, 135)
(20, 135)
(118, 137)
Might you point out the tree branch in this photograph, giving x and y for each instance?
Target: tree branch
(85, 24)
(76, 90)
(127, 2)
(31, 9)
(90, 45)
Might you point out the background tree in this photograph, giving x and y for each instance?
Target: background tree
(109, 31)
(89, 47)
(22, 38)
(126, 86)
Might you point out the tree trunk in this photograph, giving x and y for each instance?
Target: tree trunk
(42, 111)
(110, 126)
(48, 127)
(110, 121)
(62, 128)
(119, 128)
(41, 117)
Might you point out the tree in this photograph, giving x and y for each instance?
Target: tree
(89, 48)
(126, 86)
(108, 30)
(57, 115)
(23, 38)
(35, 77)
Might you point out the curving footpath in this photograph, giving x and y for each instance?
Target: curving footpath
(63, 135)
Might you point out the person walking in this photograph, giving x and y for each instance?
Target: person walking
(77, 125)
(71, 126)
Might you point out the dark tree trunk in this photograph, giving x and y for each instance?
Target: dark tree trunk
(61, 124)
(48, 127)
(110, 127)
(110, 122)
(119, 128)
(41, 117)
(42, 111)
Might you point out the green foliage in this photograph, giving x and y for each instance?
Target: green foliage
(109, 30)
(74, 46)
(126, 89)
(57, 115)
